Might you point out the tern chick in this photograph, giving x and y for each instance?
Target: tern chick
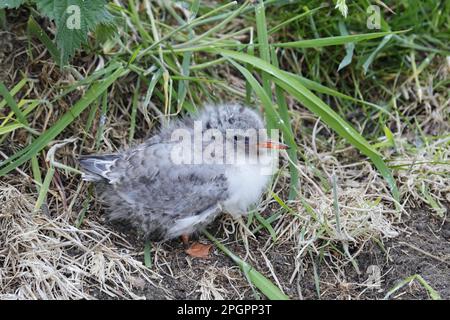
(170, 187)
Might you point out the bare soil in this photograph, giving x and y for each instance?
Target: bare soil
(422, 248)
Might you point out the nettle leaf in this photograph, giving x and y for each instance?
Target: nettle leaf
(9, 4)
(105, 32)
(74, 19)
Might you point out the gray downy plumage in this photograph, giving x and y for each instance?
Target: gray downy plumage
(145, 188)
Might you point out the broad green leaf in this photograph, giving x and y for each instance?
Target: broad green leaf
(74, 20)
(105, 32)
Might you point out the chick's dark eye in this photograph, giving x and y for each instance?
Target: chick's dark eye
(235, 138)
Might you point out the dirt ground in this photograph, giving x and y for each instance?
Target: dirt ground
(423, 248)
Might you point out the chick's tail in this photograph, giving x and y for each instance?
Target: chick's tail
(97, 167)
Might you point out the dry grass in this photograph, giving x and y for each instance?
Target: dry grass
(46, 257)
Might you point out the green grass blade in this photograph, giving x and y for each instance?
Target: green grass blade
(102, 122)
(248, 87)
(269, 109)
(148, 254)
(333, 41)
(134, 107)
(434, 295)
(345, 130)
(134, 55)
(192, 24)
(263, 41)
(90, 120)
(82, 214)
(373, 55)
(145, 36)
(12, 104)
(317, 87)
(292, 151)
(44, 189)
(217, 27)
(292, 86)
(35, 30)
(185, 65)
(85, 81)
(2, 19)
(281, 202)
(270, 290)
(294, 18)
(349, 48)
(14, 91)
(93, 93)
(10, 127)
(433, 203)
(37, 175)
(266, 225)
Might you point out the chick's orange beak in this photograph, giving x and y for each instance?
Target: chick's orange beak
(273, 145)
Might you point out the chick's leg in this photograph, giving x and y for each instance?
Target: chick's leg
(185, 239)
(197, 249)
